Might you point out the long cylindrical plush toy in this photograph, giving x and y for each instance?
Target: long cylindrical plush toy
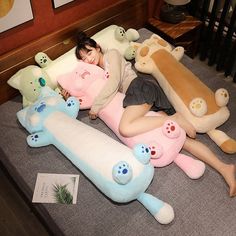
(202, 107)
(121, 173)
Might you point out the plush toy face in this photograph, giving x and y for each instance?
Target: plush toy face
(29, 81)
(84, 82)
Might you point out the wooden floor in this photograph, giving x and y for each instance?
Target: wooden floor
(16, 218)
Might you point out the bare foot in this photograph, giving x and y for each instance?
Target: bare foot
(229, 176)
(184, 124)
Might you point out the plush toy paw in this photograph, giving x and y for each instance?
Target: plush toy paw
(122, 172)
(178, 53)
(130, 53)
(221, 97)
(198, 107)
(142, 153)
(156, 150)
(119, 33)
(171, 129)
(42, 59)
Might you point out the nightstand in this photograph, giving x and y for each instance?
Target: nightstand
(185, 33)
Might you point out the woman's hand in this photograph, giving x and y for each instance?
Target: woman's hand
(92, 115)
(65, 94)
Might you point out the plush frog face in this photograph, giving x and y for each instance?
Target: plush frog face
(29, 81)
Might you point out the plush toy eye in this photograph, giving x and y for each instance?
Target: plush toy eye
(42, 82)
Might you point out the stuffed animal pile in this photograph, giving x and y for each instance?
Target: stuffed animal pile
(165, 142)
(31, 79)
(121, 174)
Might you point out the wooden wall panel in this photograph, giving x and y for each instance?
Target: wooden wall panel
(129, 13)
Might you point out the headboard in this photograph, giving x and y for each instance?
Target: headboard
(127, 13)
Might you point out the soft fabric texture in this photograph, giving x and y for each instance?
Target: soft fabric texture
(115, 37)
(121, 174)
(189, 96)
(29, 82)
(119, 73)
(164, 142)
(81, 77)
(147, 90)
(48, 71)
(195, 202)
(31, 79)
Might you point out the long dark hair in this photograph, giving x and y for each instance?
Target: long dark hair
(82, 42)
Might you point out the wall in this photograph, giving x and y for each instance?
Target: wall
(47, 20)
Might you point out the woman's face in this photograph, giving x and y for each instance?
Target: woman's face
(91, 56)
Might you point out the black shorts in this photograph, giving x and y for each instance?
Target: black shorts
(145, 89)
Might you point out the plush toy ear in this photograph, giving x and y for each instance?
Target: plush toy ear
(130, 53)
(14, 81)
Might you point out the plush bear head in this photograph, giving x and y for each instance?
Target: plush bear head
(29, 81)
(116, 37)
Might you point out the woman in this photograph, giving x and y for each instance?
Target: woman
(142, 95)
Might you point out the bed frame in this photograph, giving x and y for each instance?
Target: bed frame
(127, 13)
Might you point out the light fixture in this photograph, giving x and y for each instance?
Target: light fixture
(177, 2)
(173, 11)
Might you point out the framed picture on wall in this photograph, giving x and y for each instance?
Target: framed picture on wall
(59, 3)
(14, 13)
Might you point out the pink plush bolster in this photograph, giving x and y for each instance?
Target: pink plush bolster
(164, 149)
(87, 80)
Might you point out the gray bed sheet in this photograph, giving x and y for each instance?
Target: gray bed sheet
(202, 207)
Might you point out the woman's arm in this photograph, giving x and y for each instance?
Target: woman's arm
(113, 64)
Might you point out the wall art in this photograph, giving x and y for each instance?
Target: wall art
(59, 3)
(14, 13)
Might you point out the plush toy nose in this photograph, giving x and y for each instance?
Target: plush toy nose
(42, 82)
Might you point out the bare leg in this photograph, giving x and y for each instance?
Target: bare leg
(134, 121)
(203, 153)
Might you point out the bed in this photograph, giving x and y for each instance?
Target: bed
(202, 207)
